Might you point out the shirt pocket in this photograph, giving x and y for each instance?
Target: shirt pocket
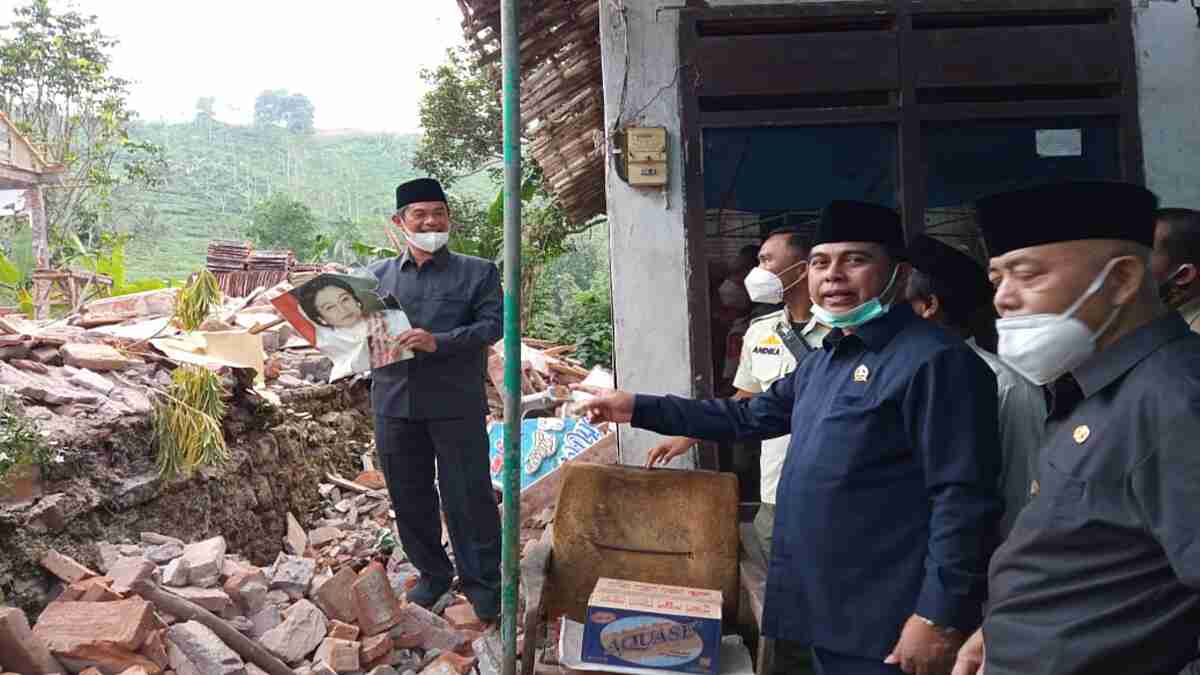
(447, 312)
(1061, 496)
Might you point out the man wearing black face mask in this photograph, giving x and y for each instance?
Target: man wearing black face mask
(1176, 262)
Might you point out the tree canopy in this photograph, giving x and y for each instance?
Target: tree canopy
(291, 111)
(283, 222)
(461, 119)
(57, 86)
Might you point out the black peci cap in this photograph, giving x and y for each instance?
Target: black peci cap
(419, 190)
(1060, 212)
(845, 220)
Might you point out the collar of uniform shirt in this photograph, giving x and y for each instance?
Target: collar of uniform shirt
(439, 258)
(878, 333)
(1103, 368)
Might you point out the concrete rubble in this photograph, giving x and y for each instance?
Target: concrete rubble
(339, 608)
(333, 600)
(106, 362)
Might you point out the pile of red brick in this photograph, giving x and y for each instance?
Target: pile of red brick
(314, 621)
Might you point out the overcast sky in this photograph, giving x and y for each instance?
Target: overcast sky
(356, 60)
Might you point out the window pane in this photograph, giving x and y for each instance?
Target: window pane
(968, 160)
(770, 169)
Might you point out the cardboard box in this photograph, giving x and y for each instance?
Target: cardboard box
(669, 628)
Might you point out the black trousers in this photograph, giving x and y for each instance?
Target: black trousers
(408, 450)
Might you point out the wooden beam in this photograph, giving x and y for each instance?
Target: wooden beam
(187, 610)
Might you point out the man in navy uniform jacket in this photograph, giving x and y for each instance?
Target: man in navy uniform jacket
(888, 500)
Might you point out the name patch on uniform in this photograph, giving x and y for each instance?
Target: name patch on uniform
(770, 345)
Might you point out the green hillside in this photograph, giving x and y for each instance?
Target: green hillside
(217, 172)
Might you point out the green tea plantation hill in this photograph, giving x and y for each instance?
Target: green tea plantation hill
(217, 172)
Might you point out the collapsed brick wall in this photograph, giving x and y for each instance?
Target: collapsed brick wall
(111, 491)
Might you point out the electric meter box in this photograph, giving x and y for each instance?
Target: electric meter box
(646, 156)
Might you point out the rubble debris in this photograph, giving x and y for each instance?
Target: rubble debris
(23, 651)
(372, 479)
(93, 357)
(336, 596)
(246, 648)
(87, 379)
(204, 560)
(449, 663)
(192, 647)
(94, 589)
(155, 648)
(164, 553)
(374, 601)
(213, 599)
(292, 575)
(323, 535)
(48, 515)
(340, 655)
(297, 539)
(249, 589)
(128, 571)
(157, 539)
(335, 609)
(343, 631)
(176, 573)
(65, 568)
(103, 635)
(301, 633)
(462, 617)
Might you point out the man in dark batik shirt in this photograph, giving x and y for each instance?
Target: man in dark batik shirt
(1101, 573)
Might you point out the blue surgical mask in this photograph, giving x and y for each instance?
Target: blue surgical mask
(868, 311)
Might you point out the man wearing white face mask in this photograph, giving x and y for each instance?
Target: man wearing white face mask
(431, 409)
(773, 345)
(1101, 572)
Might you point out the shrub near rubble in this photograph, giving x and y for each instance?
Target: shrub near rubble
(20, 443)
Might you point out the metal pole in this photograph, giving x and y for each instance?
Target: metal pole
(510, 556)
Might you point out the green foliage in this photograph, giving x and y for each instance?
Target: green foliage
(571, 303)
(583, 319)
(9, 274)
(293, 112)
(196, 300)
(187, 422)
(16, 263)
(461, 117)
(108, 257)
(282, 222)
(21, 443)
(56, 85)
(218, 172)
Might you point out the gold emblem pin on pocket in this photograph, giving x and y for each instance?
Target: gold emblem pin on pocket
(1034, 489)
(1081, 433)
(861, 373)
